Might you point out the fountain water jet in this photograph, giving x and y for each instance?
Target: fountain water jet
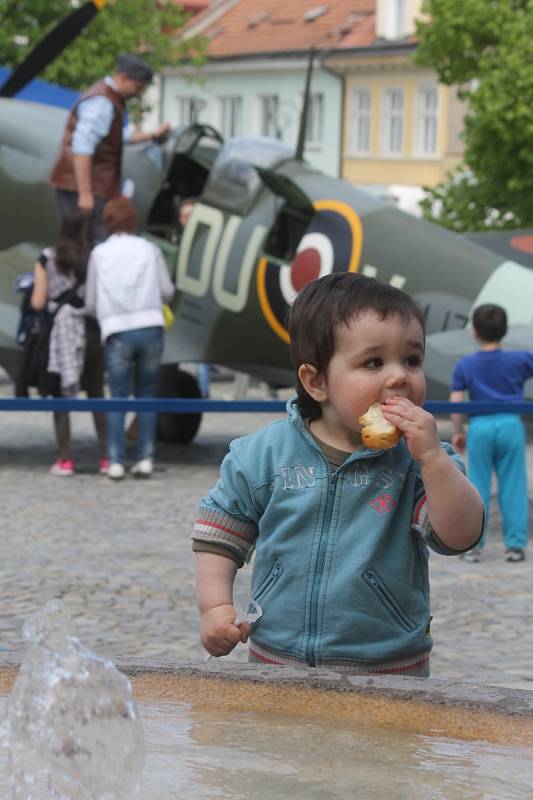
(71, 719)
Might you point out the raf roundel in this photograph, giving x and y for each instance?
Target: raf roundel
(332, 243)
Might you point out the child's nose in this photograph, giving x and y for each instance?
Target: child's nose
(397, 376)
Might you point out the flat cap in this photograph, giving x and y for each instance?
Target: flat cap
(134, 67)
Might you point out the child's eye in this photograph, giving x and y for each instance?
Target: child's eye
(373, 363)
(413, 361)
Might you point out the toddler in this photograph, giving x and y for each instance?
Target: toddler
(341, 532)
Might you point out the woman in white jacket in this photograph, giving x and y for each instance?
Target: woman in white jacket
(127, 282)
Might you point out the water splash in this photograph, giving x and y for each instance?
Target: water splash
(71, 718)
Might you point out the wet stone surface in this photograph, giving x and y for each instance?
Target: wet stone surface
(119, 555)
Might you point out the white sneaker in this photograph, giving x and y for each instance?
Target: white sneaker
(143, 468)
(116, 471)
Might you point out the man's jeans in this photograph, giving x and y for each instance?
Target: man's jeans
(132, 361)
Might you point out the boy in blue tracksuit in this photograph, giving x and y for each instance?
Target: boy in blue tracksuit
(341, 532)
(496, 442)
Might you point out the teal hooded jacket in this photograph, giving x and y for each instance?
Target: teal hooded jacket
(341, 564)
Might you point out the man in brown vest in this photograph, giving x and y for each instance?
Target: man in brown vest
(87, 171)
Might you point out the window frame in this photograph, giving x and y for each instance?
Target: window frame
(263, 99)
(315, 143)
(421, 115)
(398, 18)
(386, 128)
(355, 114)
(192, 101)
(236, 104)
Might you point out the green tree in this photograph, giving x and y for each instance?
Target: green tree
(149, 27)
(484, 46)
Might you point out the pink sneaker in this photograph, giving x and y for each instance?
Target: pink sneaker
(62, 467)
(104, 466)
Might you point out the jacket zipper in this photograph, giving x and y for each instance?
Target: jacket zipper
(388, 600)
(271, 579)
(317, 577)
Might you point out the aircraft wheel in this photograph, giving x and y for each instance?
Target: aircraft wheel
(177, 428)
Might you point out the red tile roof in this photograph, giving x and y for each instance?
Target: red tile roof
(194, 6)
(275, 26)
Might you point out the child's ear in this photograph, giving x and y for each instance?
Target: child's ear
(313, 382)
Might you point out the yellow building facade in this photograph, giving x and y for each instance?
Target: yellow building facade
(400, 126)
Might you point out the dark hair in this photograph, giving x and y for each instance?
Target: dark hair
(134, 67)
(326, 304)
(74, 244)
(119, 216)
(490, 322)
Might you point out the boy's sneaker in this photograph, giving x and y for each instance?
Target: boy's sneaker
(473, 556)
(515, 554)
(103, 469)
(116, 471)
(62, 467)
(143, 468)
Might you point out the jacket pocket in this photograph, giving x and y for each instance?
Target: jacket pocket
(268, 583)
(388, 600)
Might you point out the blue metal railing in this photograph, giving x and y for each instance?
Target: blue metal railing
(195, 406)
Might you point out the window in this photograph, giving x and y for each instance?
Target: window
(392, 142)
(189, 109)
(360, 121)
(230, 116)
(268, 123)
(315, 123)
(426, 123)
(396, 19)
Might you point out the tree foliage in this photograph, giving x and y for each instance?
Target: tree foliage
(484, 46)
(150, 28)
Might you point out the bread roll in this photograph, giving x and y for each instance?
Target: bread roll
(376, 432)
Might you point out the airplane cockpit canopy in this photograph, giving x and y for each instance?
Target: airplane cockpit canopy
(183, 164)
(233, 183)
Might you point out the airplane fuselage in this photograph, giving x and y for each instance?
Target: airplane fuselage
(237, 269)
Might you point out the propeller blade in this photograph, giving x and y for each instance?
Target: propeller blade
(50, 47)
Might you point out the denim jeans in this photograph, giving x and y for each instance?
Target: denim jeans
(203, 372)
(132, 361)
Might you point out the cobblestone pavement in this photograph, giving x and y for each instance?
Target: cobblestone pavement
(119, 556)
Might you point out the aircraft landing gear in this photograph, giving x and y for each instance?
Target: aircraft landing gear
(177, 428)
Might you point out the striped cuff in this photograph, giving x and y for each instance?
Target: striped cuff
(424, 530)
(217, 550)
(414, 666)
(221, 528)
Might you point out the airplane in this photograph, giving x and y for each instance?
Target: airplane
(264, 224)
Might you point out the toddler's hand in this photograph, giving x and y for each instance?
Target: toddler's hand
(418, 427)
(218, 633)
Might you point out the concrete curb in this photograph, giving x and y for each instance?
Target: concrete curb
(424, 705)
